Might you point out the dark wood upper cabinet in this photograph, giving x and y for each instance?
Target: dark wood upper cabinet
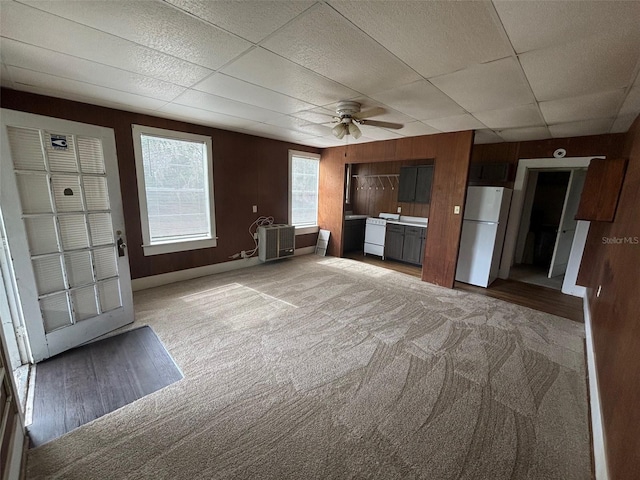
(407, 187)
(415, 184)
(601, 189)
(489, 172)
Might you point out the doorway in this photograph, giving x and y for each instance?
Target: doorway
(570, 238)
(542, 213)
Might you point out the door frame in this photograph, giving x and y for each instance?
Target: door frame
(19, 247)
(518, 196)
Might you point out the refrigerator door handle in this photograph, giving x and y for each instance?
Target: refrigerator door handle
(481, 222)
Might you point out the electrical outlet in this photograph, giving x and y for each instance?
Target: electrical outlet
(456, 210)
(399, 209)
(255, 209)
(255, 236)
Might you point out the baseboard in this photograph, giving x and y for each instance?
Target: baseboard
(599, 453)
(182, 275)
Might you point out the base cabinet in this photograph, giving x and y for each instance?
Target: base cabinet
(394, 241)
(405, 243)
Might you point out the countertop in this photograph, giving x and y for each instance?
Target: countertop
(410, 221)
(408, 224)
(356, 217)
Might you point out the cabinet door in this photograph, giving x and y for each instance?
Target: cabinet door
(423, 184)
(394, 241)
(411, 246)
(407, 187)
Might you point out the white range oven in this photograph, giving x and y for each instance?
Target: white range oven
(375, 232)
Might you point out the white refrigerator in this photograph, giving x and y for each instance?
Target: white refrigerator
(485, 220)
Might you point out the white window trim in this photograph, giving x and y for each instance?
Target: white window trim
(314, 156)
(171, 246)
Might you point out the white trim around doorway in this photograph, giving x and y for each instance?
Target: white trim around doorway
(517, 200)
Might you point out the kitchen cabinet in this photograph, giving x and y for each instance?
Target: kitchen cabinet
(602, 189)
(415, 184)
(354, 235)
(393, 241)
(412, 249)
(489, 172)
(405, 243)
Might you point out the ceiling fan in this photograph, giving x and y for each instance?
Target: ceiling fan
(350, 116)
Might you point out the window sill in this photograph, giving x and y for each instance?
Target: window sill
(307, 230)
(159, 249)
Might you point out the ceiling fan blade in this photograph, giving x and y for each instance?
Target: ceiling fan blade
(376, 123)
(372, 112)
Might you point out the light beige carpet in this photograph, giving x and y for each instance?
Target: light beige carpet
(326, 368)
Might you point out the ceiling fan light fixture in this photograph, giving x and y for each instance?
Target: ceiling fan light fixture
(354, 131)
(339, 130)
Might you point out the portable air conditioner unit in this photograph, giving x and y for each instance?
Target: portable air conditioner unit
(276, 241)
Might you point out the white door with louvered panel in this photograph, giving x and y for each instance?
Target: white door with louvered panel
(61, 204)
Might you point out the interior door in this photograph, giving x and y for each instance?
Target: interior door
(60, 194)
(567, 227)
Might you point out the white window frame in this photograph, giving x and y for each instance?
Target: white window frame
(312, 156)
(158, 248)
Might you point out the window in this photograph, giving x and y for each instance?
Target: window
(303, 191)
(175, 189)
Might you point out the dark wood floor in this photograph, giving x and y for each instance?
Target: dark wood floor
(540, 298)
(85, 383)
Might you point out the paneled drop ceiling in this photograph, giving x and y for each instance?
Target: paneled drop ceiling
(510, 70)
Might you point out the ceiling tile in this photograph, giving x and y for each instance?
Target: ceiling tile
(28, 25)
(323, 41)
(80, 91)
(591, 65)
(230, 87)
(490, 86)
(525, 134)
(486, 136)
(213, 103)
(585, 127)
(204, 117)
(377, 133)
(435, 37)
(5, 78)
(415, 129)
(271, 71)
(631, 105)
(315, 115)
(299, 125)
(623, 123)
(534, 25)
(324, 142)
(253, 20)
(74, 68)
(522, 116)
(155, 25)
(278, 132)
(584, 107)
(456, 123)
(419, 100)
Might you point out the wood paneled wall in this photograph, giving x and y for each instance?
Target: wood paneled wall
(374, 199)
(615, 316)
(248, 171)
(451, 154)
